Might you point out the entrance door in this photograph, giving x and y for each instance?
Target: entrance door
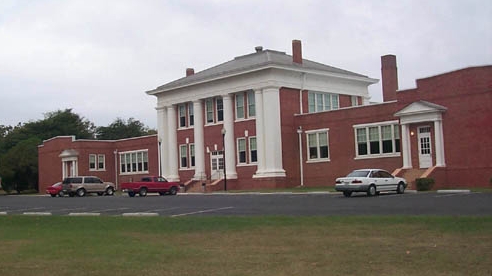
(217, 164)
(425, 148)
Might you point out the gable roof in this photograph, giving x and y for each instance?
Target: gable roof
(420, 107)
(252, 62)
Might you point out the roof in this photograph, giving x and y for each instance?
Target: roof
(420, 107)
(252, 62)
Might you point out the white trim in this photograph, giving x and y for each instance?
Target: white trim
(376, 124)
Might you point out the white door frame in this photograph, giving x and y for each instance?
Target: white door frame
(425, 146)
(218, 171)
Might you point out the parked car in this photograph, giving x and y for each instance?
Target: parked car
(150, 184)
(81, 185)
(371, 181)
(55, 190)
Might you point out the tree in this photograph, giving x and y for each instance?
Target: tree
(120, 129)
(18, 145)
(19, 167)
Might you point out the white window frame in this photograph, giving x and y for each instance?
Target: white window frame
(354, 100)
(185, 147)
(238, 140)
(318, 147)
(97, 159)
(251, 150)
(93, 160)
(395, 136)
(323, 101)
(251, 98)
(182, 115)
(101, 159)
(191, 115)
(209, 110)
(217, 99)
(192, 156)
(138, 157)
(237, 106)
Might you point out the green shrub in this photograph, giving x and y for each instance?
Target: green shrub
(424, 184)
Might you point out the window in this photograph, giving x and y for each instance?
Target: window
(182, 115)
(239, 106)
(318, 101)
(183, 156)
(209, 109)
(241, 150)
(318, 145)
(191, 117)
(96, 162)
(220, 110)
(253, 155)
(379, 139)
(192, 155)
(92, 162)
(251, 104)
(100, 162)
(374, 140)
(354, 100)
(134, 162)
(361, 141)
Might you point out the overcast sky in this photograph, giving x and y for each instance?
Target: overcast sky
(99, 57)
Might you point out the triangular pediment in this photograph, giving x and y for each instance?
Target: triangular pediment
(420, 107)
(69, 153)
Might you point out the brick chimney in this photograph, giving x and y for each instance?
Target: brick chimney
(297, 51)
(190, 71)
(389, 74)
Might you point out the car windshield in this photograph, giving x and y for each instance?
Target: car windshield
(358, 174)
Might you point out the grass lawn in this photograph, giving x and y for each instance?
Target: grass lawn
(395, 245)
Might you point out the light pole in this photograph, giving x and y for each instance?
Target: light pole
(299, 132)
(223, 131)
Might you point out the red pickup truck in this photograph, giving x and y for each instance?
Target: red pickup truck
(150, 184)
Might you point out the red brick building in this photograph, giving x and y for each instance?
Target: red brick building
(115, 161)
(272, 120)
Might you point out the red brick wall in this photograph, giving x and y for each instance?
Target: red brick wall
(467, 95)
(50, 164)
(342, 142)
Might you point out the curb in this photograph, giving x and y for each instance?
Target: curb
(140, 214)
(453, 191)
(37, 213)
(84, 214)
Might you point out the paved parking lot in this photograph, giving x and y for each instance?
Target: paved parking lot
(306, 204)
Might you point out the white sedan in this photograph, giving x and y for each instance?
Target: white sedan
(371, 181)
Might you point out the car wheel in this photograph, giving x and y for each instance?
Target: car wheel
(80, 192)
(61, 194)
(131, 194)
(143, 192)
(347, 193)
(109, 191)
(372, 190)
(53, 195)
(401, 188)
(173, 191)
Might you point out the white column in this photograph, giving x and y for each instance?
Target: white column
(272, 134)
(199, 141)
(230, 149)
(163, 138)
(64, 169)
(260, 136)
(172, 155)
(405, 145)
(439, 146)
